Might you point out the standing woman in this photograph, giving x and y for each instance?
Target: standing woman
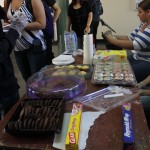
(80, 18)
(30, 46)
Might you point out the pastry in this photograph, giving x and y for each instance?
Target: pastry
(71, 66)
(71, 72)
(85, 68)
(78, 67)
(83, 73)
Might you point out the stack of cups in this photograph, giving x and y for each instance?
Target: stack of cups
(88, 49)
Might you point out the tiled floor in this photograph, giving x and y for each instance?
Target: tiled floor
(21, 82)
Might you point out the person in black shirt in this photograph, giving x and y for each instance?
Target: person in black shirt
(79, 19)
(8, 84)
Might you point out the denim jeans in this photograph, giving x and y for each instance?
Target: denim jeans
(140, 68)
(30, 61)
(145, 100)
(7, 103)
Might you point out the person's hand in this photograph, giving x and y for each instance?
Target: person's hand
(19, 21)
(87, 30)
(104, 36)
(140, 85)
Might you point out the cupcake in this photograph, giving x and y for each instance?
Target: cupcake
(79, 67)
(56, 73)
(83, 73)
(71, 66)
(85, 68)
(71, 72)
(57, 67)
(62, 73)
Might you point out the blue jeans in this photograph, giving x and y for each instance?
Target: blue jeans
(145, 100)
(30, 61)
(7, 103)
(140, 68)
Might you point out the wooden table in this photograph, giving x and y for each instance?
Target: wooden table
(110, 135)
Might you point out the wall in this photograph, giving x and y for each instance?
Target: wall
(2, 2)
(120, 15)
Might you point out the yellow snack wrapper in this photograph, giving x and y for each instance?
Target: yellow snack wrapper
(74, 127)
(110, 55)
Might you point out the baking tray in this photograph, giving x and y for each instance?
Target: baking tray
(88, 71)
(37, 117)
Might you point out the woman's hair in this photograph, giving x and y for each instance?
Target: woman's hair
(145, 4)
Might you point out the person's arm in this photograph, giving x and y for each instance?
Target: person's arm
(68, 23)
(90, 17)
(145, 92)
(7, 43)
(127, 44)
(57, 12)
(144, 83)
(87, 28)
(2, 13)
(5, 6)
(121, 37)
(39, 16)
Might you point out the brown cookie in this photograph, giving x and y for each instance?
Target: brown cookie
(46, 120)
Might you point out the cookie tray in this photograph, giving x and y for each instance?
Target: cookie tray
(37, 117)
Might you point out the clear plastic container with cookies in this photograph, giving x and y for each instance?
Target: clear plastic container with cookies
(56, 83)
(118, 73)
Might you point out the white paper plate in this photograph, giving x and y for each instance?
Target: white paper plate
(63, 60)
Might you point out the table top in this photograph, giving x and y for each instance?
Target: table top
(110, 133)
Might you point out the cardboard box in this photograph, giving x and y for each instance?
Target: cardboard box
(74, 127)
(109, 55)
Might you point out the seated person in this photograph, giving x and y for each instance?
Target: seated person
(138, 40)
(145, 97)
(9, 94)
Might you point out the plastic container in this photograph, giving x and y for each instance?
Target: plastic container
(107, 99)
(71, 43)
(37, 117)
(118, 73)
(56, 83)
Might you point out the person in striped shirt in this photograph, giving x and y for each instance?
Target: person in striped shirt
(30, 48)
(138, 40)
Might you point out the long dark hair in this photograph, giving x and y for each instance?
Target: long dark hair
(145, 4)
